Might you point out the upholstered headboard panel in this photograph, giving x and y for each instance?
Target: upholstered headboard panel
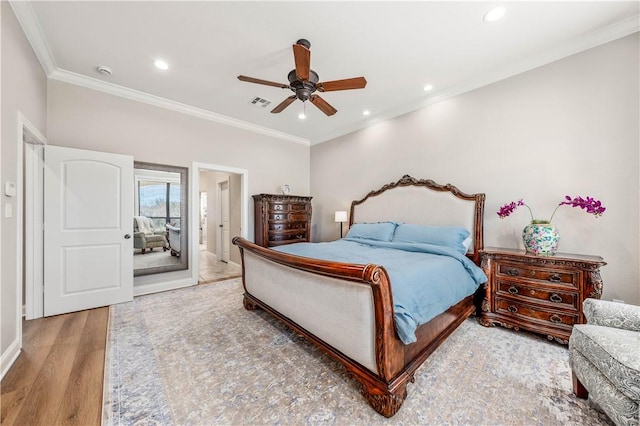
(424, 202)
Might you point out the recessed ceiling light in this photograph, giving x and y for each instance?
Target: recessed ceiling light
(302, 116)
(427, 88)
(494, 14)
(366, 112)
(160, 64)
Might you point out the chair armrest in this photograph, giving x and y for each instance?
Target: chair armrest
(612, 314)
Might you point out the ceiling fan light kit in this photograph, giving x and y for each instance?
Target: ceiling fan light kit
(303, 81)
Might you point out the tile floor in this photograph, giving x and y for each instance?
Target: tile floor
(212, 270)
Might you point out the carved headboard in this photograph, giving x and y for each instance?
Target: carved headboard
(424, 202)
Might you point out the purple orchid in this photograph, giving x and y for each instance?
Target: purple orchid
(509, 208)
(591, 205)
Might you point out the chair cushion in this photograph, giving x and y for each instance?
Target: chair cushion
(614, 352)
(155, 238)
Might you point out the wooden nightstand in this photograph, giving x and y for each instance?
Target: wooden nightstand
(536, 293)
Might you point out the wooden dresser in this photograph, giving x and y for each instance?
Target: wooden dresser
(281, 219)
(536, 293)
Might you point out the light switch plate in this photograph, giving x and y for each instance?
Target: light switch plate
(10, 189)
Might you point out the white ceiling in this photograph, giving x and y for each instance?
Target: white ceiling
(398, 46)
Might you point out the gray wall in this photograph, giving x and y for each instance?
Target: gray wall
(24, 89)
(567, 128)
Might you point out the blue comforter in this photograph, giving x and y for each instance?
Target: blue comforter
(426, 279)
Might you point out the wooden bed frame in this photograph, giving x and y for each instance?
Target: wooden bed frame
(347, 309)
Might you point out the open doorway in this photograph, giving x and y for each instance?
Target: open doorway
(220, 210)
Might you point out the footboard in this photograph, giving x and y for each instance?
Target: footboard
(346, 309)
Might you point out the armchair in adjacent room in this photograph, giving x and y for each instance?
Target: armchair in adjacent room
(174, 239)
(145, 236)
(604, 356)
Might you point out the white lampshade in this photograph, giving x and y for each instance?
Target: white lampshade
(341, 216)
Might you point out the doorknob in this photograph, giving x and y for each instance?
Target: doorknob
(127, 236)
(219, 226)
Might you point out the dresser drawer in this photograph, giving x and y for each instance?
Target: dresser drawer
(551, 297)
(288, 236)
(298, 207)
(284, 226)
(539, 274)
(278, 216)
(278, 207)
(549, 317)
(298, 216)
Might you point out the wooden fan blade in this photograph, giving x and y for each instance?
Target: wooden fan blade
(302, 56)
(283, 104)
(265, 82)
(322, 105)
(346, 84)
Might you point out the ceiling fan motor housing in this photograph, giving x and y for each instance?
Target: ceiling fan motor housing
(303, 89)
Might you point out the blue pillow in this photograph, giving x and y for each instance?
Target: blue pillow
(449, 236)
(381, 231)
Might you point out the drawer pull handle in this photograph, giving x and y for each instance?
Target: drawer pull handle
(513, 308)
(555, 318)
(555, 278)
(513, 272)
(555, 297)
(513, 289)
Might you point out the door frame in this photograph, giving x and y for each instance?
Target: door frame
(30, 221)
(195, 190)
(219, 233)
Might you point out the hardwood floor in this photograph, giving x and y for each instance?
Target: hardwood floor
(58, 377)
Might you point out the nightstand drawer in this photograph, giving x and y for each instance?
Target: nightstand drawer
(539, 274)
(551, 297)
(556, 318)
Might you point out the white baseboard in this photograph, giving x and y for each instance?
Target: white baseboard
(9, 357)
(139, 290)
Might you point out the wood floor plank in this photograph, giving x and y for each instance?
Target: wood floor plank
(45, 395)
(58, 378)
(42, 331)
(11, 403)
(25, 369)
(84, 391)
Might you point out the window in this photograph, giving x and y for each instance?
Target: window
(160, 201)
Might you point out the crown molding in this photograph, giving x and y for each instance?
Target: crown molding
(34, 33)
(135, 95)
(574, 46)
(32, 29)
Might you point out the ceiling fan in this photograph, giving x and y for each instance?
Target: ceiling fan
(303, 81)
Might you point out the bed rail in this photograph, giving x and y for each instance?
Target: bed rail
(386, 354)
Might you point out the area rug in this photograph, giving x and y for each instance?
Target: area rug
(195, 356)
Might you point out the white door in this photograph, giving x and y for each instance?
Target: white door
(88, 228)
(224, 219)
